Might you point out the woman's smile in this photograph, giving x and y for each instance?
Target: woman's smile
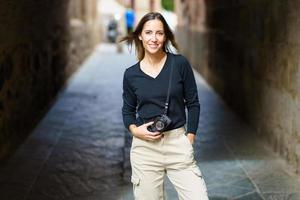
(153, 36)
(153, 46)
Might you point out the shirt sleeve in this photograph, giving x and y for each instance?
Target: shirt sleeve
(129, 103)
(191, 97)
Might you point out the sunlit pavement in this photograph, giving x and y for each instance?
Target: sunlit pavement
(80, 149)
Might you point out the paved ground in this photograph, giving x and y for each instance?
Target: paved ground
(79, 151)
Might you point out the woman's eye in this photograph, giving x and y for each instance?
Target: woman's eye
(148, 32)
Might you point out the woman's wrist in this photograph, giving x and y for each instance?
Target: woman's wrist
(132, 129)
(191, 137)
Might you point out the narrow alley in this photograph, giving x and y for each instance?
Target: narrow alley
(80, 149)
(61, 70)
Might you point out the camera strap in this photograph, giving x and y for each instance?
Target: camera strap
(169, 87)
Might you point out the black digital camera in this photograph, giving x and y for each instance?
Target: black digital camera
(160, 123)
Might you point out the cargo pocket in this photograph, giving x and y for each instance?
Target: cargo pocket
(135, 183)
(202, 189)
(197, 171)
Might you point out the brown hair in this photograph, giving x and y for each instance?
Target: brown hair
(134, 36)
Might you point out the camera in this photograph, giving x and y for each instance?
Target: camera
(160, 123)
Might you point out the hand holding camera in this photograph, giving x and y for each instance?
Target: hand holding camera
(143, 133)
(160, 124)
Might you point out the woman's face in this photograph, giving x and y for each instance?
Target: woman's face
(153, 36)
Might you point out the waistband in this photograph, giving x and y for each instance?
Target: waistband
(175, 132)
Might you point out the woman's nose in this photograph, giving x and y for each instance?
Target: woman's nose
(153, 37)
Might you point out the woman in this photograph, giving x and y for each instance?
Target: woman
(145, 87)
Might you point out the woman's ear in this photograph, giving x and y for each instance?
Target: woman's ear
(140, 37)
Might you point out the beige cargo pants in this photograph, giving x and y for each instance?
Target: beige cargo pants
(173, 155)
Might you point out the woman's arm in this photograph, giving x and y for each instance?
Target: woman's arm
(191, 98)
(129, 103)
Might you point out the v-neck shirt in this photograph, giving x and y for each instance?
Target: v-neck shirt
(163, 66)
(144, 96)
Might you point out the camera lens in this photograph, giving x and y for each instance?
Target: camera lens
(159, 125)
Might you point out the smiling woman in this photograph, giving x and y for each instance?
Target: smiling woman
(153, 36)
(135, 38)
(156, 91)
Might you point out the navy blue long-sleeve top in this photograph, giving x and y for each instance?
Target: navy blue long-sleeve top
(144, 97)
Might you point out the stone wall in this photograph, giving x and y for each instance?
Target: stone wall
(84, 31)
(253, 62)
(191, 33)
(36, 57)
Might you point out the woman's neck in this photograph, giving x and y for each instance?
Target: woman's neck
(154, 60)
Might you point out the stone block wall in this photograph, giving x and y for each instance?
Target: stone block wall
(253, 62)
(36, 57)
(84, 31)
(191, 33)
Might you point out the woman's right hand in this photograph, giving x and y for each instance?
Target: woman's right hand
(142, 132)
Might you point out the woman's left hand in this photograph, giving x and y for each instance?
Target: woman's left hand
(191, 137)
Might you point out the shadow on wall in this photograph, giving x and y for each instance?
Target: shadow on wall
(36, 58)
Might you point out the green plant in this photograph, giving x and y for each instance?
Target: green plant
(168, 4)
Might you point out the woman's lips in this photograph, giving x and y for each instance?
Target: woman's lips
(153, 46)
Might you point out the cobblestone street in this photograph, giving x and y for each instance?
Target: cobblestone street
(80, 149)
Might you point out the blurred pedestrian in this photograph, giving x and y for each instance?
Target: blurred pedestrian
(129, 18)
(156, 91)
(112, 30)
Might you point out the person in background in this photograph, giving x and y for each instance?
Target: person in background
(112, 30)
(161, 146)
(129, 18)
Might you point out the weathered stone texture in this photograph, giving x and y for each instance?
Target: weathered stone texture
(36, 58)
(253, 62)
(190, 33)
